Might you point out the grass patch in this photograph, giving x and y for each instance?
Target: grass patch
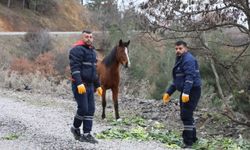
(11, 136)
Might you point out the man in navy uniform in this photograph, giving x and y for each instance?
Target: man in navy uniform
(84, 82)
(187, 80)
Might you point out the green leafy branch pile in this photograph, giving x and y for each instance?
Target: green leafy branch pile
(139, 129)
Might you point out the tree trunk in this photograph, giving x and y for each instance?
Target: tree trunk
(221, 95)
(24, 4)
(217, 79)
(9, 1)
(35, 7)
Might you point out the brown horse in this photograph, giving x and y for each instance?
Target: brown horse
(109, 73)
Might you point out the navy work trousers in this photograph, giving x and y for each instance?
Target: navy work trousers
(187, 109)
(85, 107)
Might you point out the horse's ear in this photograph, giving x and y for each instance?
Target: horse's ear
(128, 42)
(120, 42)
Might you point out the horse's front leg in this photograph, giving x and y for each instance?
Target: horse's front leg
(103, 103)
(115, 101)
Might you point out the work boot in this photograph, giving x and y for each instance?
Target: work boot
(195, 139)
(88, 138)
(76, 133)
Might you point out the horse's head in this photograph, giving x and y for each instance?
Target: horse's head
(122, 53)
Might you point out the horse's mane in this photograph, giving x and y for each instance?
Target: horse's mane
(110, 58)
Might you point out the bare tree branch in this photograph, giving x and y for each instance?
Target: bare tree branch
(239, 56)
(200, 17)
(231, 45)
(247, 123)
(194, 29)
(171, 36)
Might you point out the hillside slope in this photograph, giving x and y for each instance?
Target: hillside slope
(63, 15)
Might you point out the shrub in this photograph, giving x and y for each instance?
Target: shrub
(242, 103)
(61, 62)
(137, 71)
(45, 7)
(22, 66)
(45, 64)
(5, 59)
(36, 43)
(160, 82)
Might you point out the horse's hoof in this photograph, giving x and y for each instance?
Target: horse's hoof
(119, 120)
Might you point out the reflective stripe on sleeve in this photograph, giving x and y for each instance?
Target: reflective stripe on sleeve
(179, 74)
(75, 72)
(189, 81)
(88, 63)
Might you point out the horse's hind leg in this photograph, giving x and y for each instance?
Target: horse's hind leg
(103, 103)
(115, 101)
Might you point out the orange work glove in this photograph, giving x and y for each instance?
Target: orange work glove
(81, 89)
(166, 98)
(184, 98)
(99, 91)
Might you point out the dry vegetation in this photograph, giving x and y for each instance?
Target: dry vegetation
(64, 15)
(35, 83)
(34, 62)
(40, 74)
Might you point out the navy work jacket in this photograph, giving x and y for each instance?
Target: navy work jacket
(83, 61)
(185, 74)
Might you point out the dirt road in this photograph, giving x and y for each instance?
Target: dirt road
(36, 121)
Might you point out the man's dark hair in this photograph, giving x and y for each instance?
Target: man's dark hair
(86, 31)
(178, 43)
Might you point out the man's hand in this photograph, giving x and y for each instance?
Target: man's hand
(81, 89)
(166, 98)
(99, 91)
(184, 98)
